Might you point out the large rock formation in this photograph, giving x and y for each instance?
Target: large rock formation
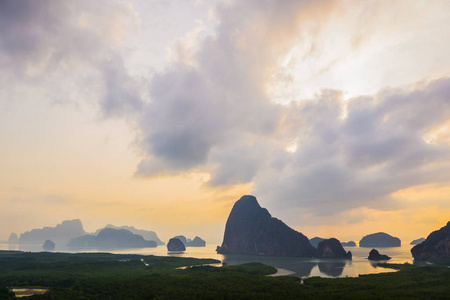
(13, 238)
(60, 234)
(332, 248)
(375, 255)
(250, 229)
(379, 239)
(110, 238)
(348, 244)
(146, 234)
(437, 245)
(417, 242)
(48, 245)
(175, 244)
(315, 241)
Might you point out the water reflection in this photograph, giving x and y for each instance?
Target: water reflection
(298, 266)
(13, 247)
(301, 267)
(332, 268)
(175, 253)
(374, 264)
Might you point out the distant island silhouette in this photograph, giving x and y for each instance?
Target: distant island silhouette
(110, 238)
(379, 239)
(60, 234)
(196, 242)
(13, 238)
(348, 244)
(315, 241)
(417, 242)
(71, 232)
(48, 245)
(146, 234)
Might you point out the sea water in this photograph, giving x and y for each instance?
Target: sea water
(302, 267)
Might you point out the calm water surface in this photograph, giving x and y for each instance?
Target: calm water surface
(286, 265)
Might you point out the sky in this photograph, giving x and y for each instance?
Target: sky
(161, 114)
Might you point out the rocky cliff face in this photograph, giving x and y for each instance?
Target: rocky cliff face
(379, 239)
(437, 245)
(332, 248)
(250, 229)
(60, 234)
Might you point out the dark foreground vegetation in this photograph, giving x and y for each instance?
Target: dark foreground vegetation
(108, 276)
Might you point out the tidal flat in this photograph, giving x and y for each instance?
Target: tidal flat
(125, 276)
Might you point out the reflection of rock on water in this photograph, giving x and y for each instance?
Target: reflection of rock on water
(333, 269)
(300, 266)
(301, 269)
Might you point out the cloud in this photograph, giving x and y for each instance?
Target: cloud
(205, 108)
(361, 160)
(215, 114)
(42, 42)
(122, 92)
(212, 108)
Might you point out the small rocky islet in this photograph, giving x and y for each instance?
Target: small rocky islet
(375, 255)
(175, 244)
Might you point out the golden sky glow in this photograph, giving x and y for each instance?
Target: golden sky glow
(161, 114)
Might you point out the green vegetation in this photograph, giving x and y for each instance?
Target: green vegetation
(109, 276)
(6, 293)
(410, 282)
(440, 261)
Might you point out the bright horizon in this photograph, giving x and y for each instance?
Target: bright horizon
(161, 114)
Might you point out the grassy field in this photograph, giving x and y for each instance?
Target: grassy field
(109, 276)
